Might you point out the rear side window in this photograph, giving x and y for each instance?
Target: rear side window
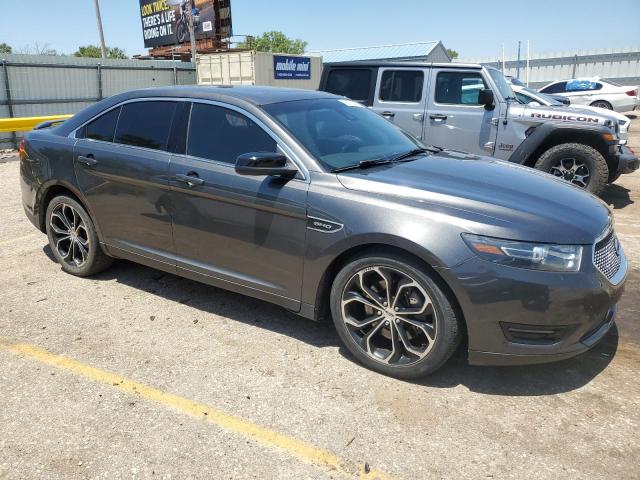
(220, 134)
(559, 87)
(582, 86)
(145, 124)
(459, 88)
(103, 127)
(352, 83)
(401, 86)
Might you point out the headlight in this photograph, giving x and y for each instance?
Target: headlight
(536, 256)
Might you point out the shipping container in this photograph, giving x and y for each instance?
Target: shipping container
(259, 68)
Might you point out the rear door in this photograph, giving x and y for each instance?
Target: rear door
(122, 166)
(454, 117)
(401, 98)
(248, 231)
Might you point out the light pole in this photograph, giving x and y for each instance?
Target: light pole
(103, 48)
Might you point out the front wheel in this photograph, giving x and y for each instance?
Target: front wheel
(393, 316)
(578, 164)
(73, 238)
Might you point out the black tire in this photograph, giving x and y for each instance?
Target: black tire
(562, 155)
(83, 234)
(448, 331)
(602, 104)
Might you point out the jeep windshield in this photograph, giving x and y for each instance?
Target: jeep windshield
(503, 86)
(341, 133)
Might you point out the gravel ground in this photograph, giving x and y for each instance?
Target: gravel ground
(574, 419)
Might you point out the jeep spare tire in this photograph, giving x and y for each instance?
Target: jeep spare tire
(578, 164)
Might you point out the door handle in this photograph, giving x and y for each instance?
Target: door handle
(89, 160)
(437, 116)
(191, 179)
(388, 114)
(418, 117)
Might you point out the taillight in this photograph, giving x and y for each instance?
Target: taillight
(22, 152)
(632, 93)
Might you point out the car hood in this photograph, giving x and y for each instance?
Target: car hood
(486, 196)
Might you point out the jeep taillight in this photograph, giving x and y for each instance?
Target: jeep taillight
(632, 93)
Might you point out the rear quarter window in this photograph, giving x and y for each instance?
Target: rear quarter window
(353, 83)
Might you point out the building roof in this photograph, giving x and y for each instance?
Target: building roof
(378, 52)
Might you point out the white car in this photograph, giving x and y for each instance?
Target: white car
(596, 93)
(527, 96)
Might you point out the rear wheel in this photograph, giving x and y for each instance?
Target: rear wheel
(393, 317)
(578, 164)
(602, 104)
(73, 238)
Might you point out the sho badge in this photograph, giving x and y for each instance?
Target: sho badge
(322, 225)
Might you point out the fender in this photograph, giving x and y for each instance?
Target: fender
(590, 134)
(42, 194)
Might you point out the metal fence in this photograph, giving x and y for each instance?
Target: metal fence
(33, 85)
(620, 65)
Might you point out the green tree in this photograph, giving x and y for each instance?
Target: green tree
(276, 42)
(452, 53)
(93, 51)
(4, 48)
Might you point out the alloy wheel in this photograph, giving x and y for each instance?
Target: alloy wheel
(389, 315)
(70, 235)
(573, 171)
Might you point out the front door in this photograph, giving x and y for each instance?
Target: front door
(243, 230)
(400, 98)
(454, 117)
(122, 166)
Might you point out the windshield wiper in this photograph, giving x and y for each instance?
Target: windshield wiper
(363, 164)
(414, 152)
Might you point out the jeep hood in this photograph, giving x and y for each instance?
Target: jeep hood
(557, 113)
(487, 196)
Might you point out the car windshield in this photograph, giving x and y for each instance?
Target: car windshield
(501, 83)
(542, 98)
(340, 132)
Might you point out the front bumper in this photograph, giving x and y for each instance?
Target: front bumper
(627, 160)
(516, 316)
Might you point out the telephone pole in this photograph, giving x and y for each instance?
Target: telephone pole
(103, 48)
(192, 33)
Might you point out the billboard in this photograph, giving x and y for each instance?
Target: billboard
(166, 22)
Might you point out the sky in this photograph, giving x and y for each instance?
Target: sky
(474, 29)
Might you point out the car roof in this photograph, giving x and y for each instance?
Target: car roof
(368, 63)
(256, 95)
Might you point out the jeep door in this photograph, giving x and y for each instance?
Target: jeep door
(400, 97)
(245, 233)
(454, 118)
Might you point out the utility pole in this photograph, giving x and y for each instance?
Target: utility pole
(518, 63)
(192, 33)
(528, 57)
(103, 48)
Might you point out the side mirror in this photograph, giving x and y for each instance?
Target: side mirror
(264, 164)
(485, 97)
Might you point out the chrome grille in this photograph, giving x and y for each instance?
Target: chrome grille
(606, 255)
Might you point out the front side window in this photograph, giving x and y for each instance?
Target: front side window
(220, 134)
(351, 83)
(459, 88)
(103, 127)
(340, 132)
(145, 124)
(558, 87)
(401, 86)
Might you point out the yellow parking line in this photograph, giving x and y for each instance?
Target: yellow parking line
(271, 438)
(17, 239)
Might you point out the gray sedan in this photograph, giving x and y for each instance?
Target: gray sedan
(315, 203)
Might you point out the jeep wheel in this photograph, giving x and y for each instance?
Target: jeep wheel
(578, 164)
(602, 104)
(393, 316)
